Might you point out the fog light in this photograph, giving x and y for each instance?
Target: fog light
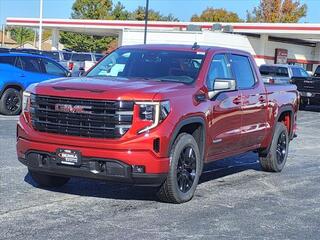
(138, 169)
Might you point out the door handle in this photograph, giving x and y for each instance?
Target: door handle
(262, 99)
(237, 100)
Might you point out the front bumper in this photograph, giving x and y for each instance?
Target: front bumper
(310, 97)
(94, 168)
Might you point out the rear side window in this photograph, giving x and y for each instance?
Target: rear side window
(78, 57)
(219, 69)
(243, 71)
(8, 60)
(31, 64)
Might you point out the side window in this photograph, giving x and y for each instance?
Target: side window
(52, 68)
(243, 71)
(8, 60)
(219, 68)
(30, 64)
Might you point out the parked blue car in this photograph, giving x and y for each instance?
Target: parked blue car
(18, 71)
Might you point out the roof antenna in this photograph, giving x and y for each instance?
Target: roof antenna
(195, 46)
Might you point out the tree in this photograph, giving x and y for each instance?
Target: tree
(21, 35)
(282, 11)
(92, 9)
(84, 43)
(216, 15)
(119, 12)
(139, 14)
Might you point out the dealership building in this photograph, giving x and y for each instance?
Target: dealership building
(268, 42)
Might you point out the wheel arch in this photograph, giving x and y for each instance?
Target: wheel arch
(282, 117)
(196, 127)
(16, 86)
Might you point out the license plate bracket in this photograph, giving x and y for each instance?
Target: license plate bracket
(68, 157)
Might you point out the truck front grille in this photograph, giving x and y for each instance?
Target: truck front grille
(81, 117)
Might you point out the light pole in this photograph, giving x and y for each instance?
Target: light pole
(40, 25)
(146, 15)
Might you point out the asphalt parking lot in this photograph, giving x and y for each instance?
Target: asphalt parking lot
(235, 200)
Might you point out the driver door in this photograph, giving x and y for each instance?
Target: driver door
(225, 118)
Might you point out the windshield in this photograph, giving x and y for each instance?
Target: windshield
(163, 65)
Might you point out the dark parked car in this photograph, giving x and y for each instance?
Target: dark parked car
(309, 88)
(18, 71)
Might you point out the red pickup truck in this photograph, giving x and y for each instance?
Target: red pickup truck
(154, 115)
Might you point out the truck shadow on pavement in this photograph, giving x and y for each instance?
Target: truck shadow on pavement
(100, 189)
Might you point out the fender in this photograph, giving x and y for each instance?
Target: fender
(184, 122)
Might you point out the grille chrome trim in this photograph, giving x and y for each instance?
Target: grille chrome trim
(106, 119)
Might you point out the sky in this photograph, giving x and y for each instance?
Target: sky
(183, 9)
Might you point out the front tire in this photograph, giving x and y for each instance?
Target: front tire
(44, 180)
(185, 170)
(275, 158)
(11, 102)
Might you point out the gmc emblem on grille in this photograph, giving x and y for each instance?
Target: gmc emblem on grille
(68, 108)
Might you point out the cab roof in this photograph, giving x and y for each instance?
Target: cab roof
(183, 47)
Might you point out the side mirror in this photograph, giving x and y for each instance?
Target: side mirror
(222, 85)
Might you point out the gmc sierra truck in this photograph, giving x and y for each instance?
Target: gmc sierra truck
(153, 115)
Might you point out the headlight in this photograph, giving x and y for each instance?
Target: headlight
(154, 112)
(26, 101)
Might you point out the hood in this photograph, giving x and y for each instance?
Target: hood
(107, 88)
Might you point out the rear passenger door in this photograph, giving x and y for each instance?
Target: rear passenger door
(254, 101)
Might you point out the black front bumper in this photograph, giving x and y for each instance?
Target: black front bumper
(310, 97)
(93, 168)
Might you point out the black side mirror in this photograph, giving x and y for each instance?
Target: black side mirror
(222, 85)
(68, 74)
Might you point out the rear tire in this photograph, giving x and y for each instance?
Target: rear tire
(275, 158)
(185, 170)
(11, 102)
(44, 180)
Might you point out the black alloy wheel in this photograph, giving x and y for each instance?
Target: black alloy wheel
(281, 148)
(274, 158)
(11, 102)
(186, 169)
